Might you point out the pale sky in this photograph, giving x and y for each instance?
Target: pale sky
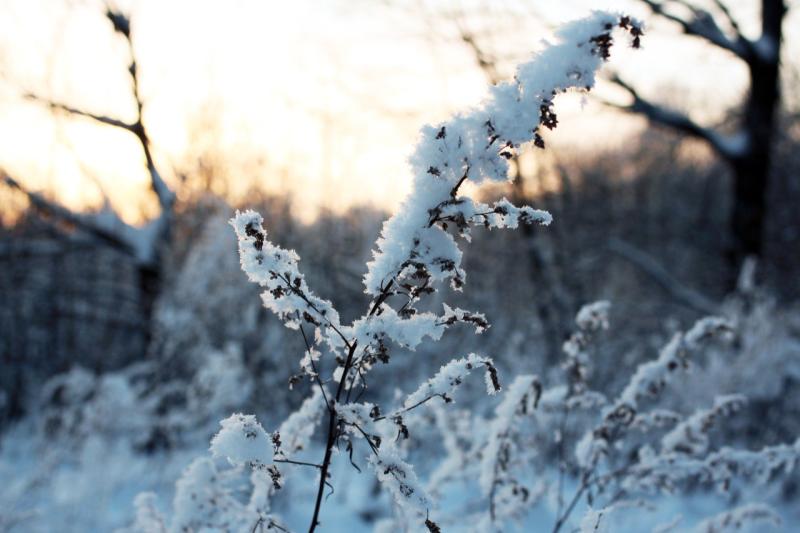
(323, 98)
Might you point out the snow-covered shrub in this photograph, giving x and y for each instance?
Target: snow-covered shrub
(611, 452)
(136, 406)
(199, 344)
(205, 283)
(206, 362)
(567, 440)
(763, 363)
(79, 404)
(416, 253)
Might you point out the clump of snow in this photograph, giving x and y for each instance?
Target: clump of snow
(399, 479)
(358, 418)
(408, 332)
(451, 375)
(593, 316)
(706, 328)
(242, 440)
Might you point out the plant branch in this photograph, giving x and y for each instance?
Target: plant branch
(575, 499)
(332, 436)
(299, 463)
(314, 367)
(407, 409)
(333, 417)
(310, 304)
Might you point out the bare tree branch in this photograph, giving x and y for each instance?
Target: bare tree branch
(731, 20)
(60, 212)
(723, 145)
(662, 277)
(166, 198)
(487, 64)
(702, 24)
(109, 121)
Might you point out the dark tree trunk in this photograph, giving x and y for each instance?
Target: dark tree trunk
(752, 167)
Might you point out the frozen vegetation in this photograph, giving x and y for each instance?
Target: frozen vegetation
(394, 417)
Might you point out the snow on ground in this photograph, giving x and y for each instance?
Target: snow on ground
(45, 488)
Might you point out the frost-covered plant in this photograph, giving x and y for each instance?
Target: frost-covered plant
(767, 339)
(631, 449)
(137, 406)
(416, 253)
(80, 404)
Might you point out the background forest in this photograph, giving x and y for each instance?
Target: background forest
(132, 133)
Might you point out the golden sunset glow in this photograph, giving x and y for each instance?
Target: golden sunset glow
(319, 99)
